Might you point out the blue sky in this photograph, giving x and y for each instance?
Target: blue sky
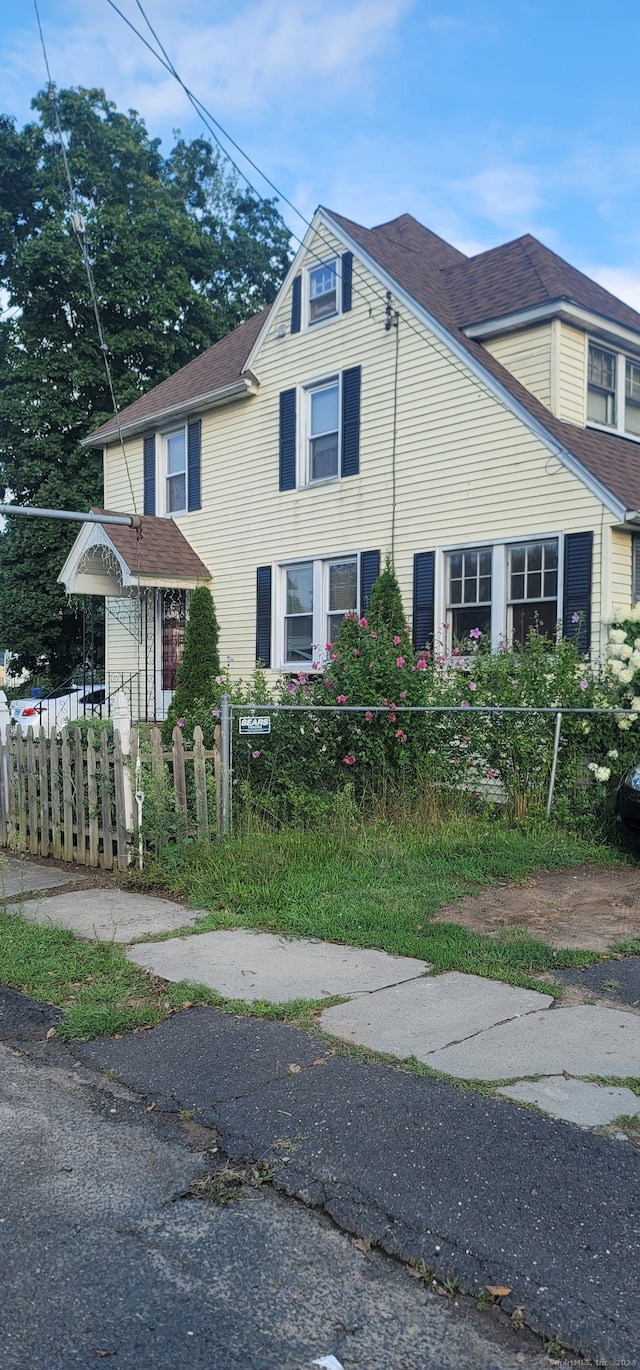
(483, 118)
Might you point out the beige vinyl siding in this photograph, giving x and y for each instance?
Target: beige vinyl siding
(621, 572)
(467, 470)
(527, 355)
(571, 375)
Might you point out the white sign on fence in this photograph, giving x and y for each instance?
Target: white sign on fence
(254, 725)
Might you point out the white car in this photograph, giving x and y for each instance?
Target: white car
(51, 713)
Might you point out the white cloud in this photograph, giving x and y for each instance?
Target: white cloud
(620, 281)
(267, 51)
(508, 195)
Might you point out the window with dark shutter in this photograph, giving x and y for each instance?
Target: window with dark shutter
(263, 615)
(347, 280)
(149, 472)
(351, 421)
(423, 599)
(578, 558)
(369, 572)
(288, 440)
(194, 444)
(296, 302)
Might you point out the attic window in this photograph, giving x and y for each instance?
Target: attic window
(323, 292)
(601, 390)
(613, 391)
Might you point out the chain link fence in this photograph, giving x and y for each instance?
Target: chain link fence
(298, 762)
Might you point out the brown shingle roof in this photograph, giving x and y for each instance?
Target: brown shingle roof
(438, 284)
(160, 550)
(524, 273)
(219, 366)
(457, 291)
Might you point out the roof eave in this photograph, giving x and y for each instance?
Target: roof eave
(562, 307)
(212, 399)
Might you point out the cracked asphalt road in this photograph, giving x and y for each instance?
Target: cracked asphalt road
(103, 1257)
(481, 1190)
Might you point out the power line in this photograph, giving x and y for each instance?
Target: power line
(208, 119)
(78, 226)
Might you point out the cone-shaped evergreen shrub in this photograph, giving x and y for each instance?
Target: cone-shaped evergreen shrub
(385, 606)
(200, 661)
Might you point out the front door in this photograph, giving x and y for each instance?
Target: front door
(171, 611)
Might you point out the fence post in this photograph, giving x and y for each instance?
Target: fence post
(225, 764)
(5, 720)
(121, 719)
(554, 763)
(218, 778)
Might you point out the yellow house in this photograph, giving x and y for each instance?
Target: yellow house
(476, 419)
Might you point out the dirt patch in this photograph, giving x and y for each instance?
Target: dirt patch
(590, 907)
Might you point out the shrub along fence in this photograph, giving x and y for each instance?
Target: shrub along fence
(103, 797)
(298, 761)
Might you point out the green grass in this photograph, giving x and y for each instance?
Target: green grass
(379, 887)
(100, 991)
(373, 887)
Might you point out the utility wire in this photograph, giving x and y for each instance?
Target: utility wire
(364, 284)
(78, 226)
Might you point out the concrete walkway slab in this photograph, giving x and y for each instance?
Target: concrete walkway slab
(22, 877)
(107, 915)
(416, 1019)
(583, 1041)
(577, 1101)
(257, 965)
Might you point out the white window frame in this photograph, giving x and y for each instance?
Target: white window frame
(162, 471)
(449, 608)
(304, 450)
(621, 359)
(499, 548)
(320, 610)
(334, 260)
(509, 603)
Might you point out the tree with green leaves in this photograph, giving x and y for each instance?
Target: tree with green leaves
(180, 255)
(196, 681)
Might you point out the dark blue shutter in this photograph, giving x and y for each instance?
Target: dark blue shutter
(149, 473)
(296, 301)
(423, 599)
(635, 568)
(263, 616)
(578, 556)
(347, 280)
(287, 440)
(351, 421)
(369, 572)
(194, 444)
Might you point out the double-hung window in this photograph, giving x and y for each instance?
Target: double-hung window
(324, 428)
(632, 398)
(503, 591)
(613, 391)
(532, 580)
(601, 387)
(317, 594)
(468, 593)
(176, 472)
(323, 292)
